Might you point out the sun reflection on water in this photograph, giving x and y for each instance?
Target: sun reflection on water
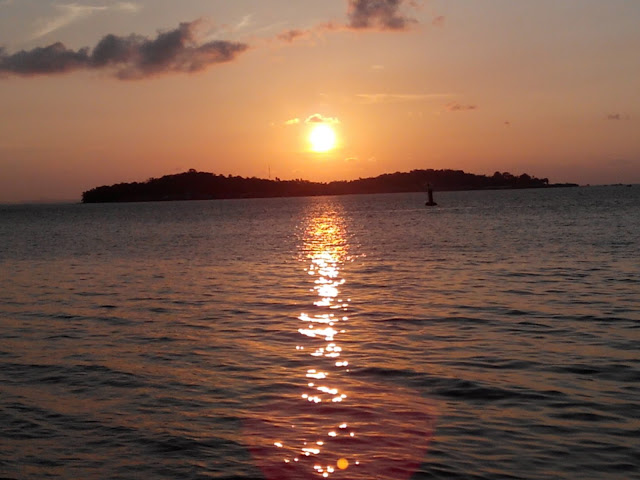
(324, 251)
(335, 425)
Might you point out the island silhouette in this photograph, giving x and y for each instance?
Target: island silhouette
(195, 185)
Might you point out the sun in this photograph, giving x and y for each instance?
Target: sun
(322, 138)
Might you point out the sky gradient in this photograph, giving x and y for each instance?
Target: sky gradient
(101, 92)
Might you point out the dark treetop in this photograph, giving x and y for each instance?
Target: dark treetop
(194, 185)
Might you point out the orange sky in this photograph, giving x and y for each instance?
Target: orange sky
(547, 87)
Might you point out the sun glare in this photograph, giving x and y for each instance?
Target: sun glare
(322, 138)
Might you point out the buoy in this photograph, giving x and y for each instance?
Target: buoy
(430, 202)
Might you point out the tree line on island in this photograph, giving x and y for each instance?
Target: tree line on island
(194, 185)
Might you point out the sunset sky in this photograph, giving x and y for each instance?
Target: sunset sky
(96, 92)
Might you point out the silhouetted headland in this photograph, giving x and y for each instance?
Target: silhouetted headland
(194, 185)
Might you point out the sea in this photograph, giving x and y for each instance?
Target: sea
(493, 336)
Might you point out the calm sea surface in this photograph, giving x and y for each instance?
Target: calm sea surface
(496, 336)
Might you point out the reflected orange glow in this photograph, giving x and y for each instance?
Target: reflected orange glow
(325, 428)
(325, 249)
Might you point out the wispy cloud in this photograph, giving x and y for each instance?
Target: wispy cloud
(459, 107)
(68, 14)
(244, 22)
(293, 121)
(617, 116)
(317, 118)
(128, 7)
(73, 12)
(400, 97)
(131, 57)
(438, 21)
(291, 35)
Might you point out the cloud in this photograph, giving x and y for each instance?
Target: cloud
(244, 22)
(438, 21)
(458, 107)
(55, 58)
(400, 97)
(128, 7)
(69, 14)
(72, 12)
(317, 118)
(290, 35)
(131, 57)
(617, 116)
(362, 15)
(377, 14)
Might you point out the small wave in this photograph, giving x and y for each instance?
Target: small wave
(582, 416)
(184, 445)
(462, 388)
(83, 376)
(618, 372)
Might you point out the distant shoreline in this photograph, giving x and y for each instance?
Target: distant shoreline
(194, 185)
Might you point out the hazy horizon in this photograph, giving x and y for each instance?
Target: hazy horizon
(103, 91)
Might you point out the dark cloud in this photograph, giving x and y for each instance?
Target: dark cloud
(382, 14)
(129, 57)
(55, 58)
(458, 107)
(614, 116)
(364, 15)
(291, 35)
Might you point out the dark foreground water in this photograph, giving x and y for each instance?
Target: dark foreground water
(495, 336)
